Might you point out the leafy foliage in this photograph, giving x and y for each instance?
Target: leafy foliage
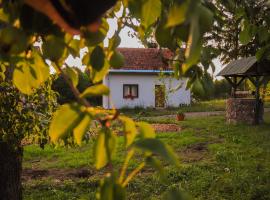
(26, 116)
(241, 29)
(28, 47)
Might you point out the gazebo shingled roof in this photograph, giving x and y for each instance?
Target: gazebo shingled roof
(248, 66)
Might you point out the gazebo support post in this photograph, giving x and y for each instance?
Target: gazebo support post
(257, 82)
(257, 105)
(234, 83)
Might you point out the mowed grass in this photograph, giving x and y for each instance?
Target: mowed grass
(203, 106)
(218, 161)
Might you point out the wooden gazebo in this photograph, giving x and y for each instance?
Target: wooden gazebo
(248, 68)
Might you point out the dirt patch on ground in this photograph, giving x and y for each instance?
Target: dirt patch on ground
(197, 152)
(60, 174)
(166, 127)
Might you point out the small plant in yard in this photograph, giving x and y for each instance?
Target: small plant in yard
(180, 115)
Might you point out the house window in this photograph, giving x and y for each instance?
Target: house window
(130, 91)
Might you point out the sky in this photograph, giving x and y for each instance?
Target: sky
(127, 41)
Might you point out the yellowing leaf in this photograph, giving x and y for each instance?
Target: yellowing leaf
(96, 90)
(129, 129)
(105, 147)
(81, 129)
(101, 158)
(29, 76)
(23, 78)
(177, 14)
(64, 120)
(98, 76)
(73, 75)
(151, 10)
(146, 130)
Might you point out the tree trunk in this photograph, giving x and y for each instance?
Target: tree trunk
(10, 171)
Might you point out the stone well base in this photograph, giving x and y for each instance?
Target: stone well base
(242, 111)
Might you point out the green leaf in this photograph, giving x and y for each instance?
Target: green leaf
(135, 7)
(110, 189)
(263, 52)
(81, 129)
(156, 164)
(146, 130)
(151, 10)
(177, 14)
(13, 40)
(104, 148)
(53, 48)
(29, 76)
(155, 146)
(193, 52)
(247, 32)
(95, 38)
(264, 34)
(114, 42)
(206, 19)
(117, 60)
(129, 129)
(64, 120)
(97, 58)
(96, 90)
(182, 32)
(73, 75)
(197, 87)
(164, 37)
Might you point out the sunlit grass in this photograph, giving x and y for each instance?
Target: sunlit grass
(218, 161)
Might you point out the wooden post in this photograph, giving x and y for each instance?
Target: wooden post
(233, 83)
(257, 101)
(234, 86)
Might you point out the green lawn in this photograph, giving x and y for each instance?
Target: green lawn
(204, 106)
(218, 161)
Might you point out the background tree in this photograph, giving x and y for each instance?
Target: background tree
(65, 95)
(241, 29)
(22, 117)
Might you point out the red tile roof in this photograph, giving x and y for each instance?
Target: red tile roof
(146, 58)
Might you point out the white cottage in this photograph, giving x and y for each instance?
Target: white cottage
(145, 81)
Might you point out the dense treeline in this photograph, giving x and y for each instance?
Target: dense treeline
(65, 95)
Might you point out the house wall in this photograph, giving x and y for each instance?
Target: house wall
(146, 84)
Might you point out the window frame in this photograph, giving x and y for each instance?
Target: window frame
(130, 89)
